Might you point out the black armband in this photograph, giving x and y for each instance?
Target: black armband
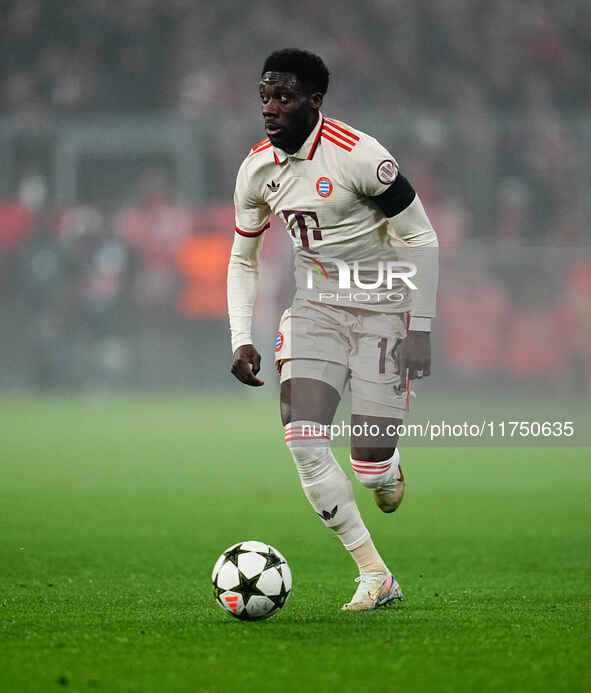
(396, 198)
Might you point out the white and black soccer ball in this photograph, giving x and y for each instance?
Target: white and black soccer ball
(251, 580)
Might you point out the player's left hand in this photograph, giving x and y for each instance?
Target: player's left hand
(412, 356)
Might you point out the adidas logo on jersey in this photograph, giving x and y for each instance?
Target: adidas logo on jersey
(273, 186)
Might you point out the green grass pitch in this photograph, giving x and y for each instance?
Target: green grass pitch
(113, 511)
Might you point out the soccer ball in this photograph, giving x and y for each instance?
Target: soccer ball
(251, 580)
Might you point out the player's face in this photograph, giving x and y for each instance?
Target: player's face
(289, 111)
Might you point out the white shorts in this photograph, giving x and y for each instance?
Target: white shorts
(336, 344)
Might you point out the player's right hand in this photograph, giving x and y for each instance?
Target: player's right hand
(247, 363)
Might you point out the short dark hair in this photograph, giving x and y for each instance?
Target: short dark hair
(307, 67)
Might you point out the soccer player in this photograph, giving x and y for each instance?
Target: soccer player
(366, 278)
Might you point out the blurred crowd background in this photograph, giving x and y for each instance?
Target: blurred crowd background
(123, 125)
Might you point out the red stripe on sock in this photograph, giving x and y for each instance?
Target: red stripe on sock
(371, 465)
(373, 472)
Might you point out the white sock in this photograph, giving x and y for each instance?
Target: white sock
(325, 484)
(376, 474)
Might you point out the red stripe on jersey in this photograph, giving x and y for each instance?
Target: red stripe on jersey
(260, 149)
(347, 140)
(258, 144)
(337, 142)
(252, 233)
(276, 158)
(316, 140)
(346, 132)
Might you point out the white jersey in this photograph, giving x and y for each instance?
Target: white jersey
(324, 195)
(326, 184)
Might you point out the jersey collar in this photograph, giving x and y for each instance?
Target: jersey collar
(307, 150)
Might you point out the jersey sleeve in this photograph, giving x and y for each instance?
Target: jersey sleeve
(411, 232)
(376, 176)
(243, 277)
(252, 213)
(252, 219)
(373, 168)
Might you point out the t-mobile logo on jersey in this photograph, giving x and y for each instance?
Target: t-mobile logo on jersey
(386, 275)
(301, 217)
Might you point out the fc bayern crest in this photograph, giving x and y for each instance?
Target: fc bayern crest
(387, 171)
(279, 341)
(323, 186)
